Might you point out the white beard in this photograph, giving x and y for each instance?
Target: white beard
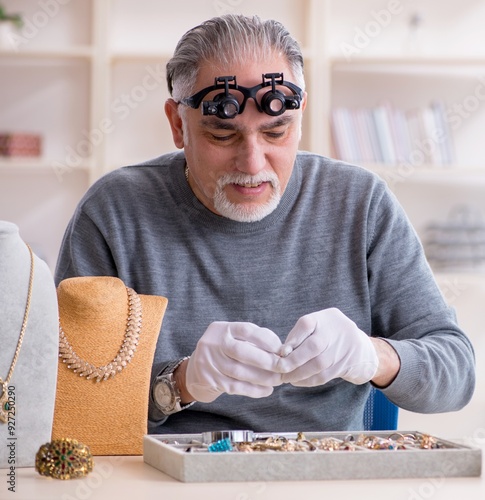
(240, 212)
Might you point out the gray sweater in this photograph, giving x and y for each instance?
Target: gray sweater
(338, 239)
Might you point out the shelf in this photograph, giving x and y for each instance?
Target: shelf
(407, 60)
(31, 165)
(429, 173)
(81, 51)
(463, 278)
(409, 67)
(139, 55)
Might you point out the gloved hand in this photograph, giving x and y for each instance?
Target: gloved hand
(325, 345)
(235, 358)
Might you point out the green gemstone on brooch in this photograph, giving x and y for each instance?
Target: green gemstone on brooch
(6, 407)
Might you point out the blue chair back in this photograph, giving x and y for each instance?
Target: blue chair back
(379, 413)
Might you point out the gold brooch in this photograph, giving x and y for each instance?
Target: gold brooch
(64, 459)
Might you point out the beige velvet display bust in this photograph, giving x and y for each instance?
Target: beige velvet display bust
(109, 416)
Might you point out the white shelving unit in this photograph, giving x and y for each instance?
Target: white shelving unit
(408, 54)
(89, 75)
(46, 89)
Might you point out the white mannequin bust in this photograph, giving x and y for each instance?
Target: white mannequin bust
(32, 386)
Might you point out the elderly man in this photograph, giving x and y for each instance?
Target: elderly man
(294, 281)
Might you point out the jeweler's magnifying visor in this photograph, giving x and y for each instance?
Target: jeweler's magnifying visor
(273, 96)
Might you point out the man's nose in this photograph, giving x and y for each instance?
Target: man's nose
(251, 158)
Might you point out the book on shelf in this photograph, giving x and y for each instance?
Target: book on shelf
(458, 242)
(392, 136)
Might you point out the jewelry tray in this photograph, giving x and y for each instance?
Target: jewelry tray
(168, 454)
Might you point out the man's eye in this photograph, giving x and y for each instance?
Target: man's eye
(275, 135)
(222, 138)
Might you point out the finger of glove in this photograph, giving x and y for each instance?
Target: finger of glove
(303, 328)
(242, 388)
(330, 321)
(247, 353)
(234, 370)
(356, 363)
(243, 342)
(315, 380)
(312, 368)
(207, 394)
(211, 368)
(264, 338)
(310, 348)
(357, 374)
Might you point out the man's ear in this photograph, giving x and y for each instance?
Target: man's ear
(171, 110)
(304, 101)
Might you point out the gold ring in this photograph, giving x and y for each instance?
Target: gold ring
(64, 459)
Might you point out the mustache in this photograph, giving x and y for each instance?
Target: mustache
(240, 178)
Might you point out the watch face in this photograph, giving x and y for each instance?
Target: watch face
(163, 395)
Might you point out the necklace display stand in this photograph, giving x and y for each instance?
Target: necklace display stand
(109, 416)
(31, 389)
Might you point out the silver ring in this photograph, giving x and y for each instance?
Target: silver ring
(233, 436)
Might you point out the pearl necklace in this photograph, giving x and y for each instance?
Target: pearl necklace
(4, 406)
(124, 355)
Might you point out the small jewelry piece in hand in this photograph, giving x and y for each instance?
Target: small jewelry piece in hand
(64, 459)
(285, 350)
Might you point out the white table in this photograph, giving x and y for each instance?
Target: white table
(131, 478)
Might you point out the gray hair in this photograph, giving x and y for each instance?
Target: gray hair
(227, 39)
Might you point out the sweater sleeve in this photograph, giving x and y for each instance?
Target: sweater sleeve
(437, 371)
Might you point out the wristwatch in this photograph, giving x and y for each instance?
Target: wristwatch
(166, 394)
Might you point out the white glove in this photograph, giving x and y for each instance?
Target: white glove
(325, 345)
(235, 358)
